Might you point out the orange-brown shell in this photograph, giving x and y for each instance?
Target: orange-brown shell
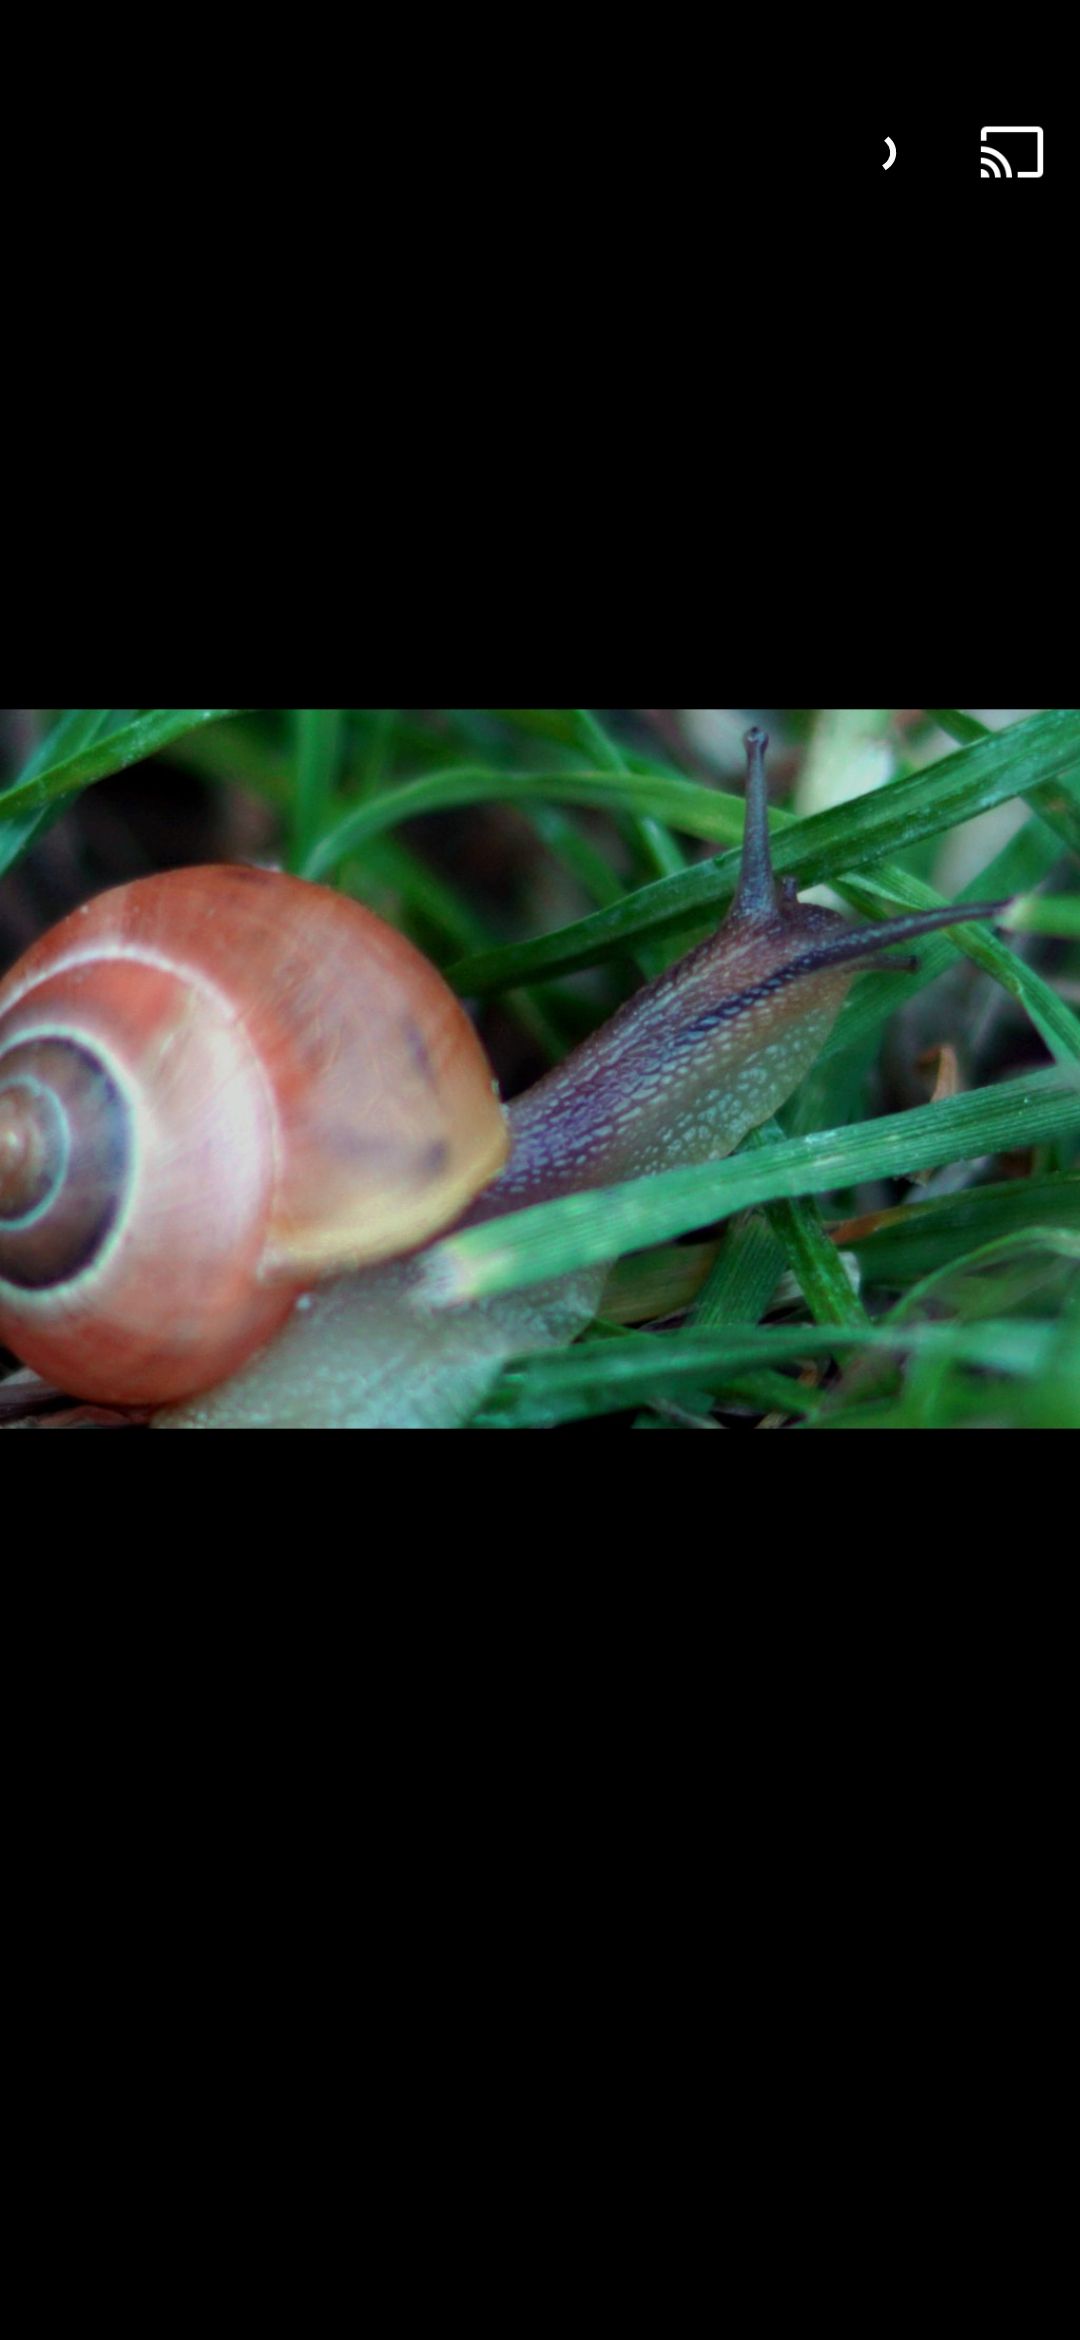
(306, 1095)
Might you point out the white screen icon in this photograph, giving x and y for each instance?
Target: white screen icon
(996, 165)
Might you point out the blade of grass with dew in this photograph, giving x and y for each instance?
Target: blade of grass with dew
(99, 757)
(582, 1230)
(1058, 806)
(826, 847)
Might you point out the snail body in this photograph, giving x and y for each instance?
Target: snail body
(221, 1087)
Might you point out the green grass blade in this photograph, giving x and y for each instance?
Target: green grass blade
(75, 730)
(814, 1261)
(749, 1267)
(584, 1229)
(901, 1247)
(602, 1377)
(1053, 1019)
(320, 735)
(827, 846)
(683, 804)
(654, 842)
(1059, 807)
(66, 772)
(967, 1287)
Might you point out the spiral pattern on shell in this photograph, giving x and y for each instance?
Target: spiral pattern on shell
(216, 1087)
(65, 1159)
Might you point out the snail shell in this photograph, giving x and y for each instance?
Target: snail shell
(218, 1086)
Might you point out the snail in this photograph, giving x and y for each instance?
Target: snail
(224, 1089)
